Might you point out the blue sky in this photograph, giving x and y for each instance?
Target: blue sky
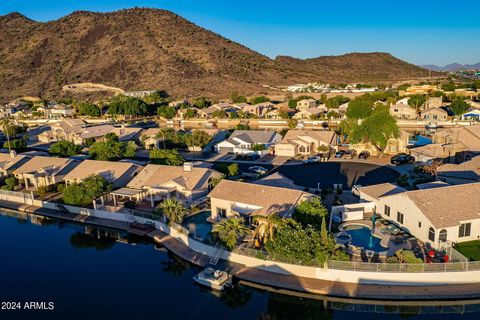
(421, 31)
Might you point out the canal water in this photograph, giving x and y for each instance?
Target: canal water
(91, 273)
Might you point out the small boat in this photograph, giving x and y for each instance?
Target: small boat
(213, 278)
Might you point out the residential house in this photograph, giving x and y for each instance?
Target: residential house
(440, 216)
(44, 171)
(310, 113)
(66, 129)
(118, 174)
(182, 113)
(93, 132)
(54, 110)
(233, 198)
(242, 141)
(6, 112)
(306, 104)
(306, 142)
(471, 115)
(453, 145)
(10, 162)
(402, 111)
(259, 109)
(394, 145)
(434, 115)
(178, 103)
(139, 93)
(466, 172)
(278, 180)
(152, 138)
(155, 183)
(419, 89)
(433, 102)
(127, 133)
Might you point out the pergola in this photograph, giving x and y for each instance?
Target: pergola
(138, 194)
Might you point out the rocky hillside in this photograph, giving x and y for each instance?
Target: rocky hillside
(156, 49)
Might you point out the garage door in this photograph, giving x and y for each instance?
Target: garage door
(225, 149)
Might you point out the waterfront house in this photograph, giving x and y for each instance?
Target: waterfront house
(44, 171)
(181, 113)
(157, 182)
(453, 145)
(279, 111)
(306, 104)
(440, 216)
(466, 172)
(116, 173)
(233, 198)
(306, 142)
(402, 111)
(10, 162)
(242, 141)
(434, 115)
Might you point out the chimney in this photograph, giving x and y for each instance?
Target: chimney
(187, 166)
(13, 153)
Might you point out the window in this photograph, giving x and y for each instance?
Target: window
(431, 234)
(301, 149)
(387, 211)
(419, 224)
(464, 230)
(442, 235)
(400, 217)
(221, 212)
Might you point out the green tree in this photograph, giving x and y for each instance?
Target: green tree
(448, 86)
(190, 113)
(173, 209)
(64, 149)
(16, 144)
(127, 106)
(236, 98)
(265, 228)
(89, 109)
(130, 150)
(166, 157)
(416, 101)
(219, 114)
(403, 86)
(459, 106)
(200, 138)
(233, 169)
(377, 129)
(336, 101)
(83, 193)
(310, 212)
(242, 126)
(259, 99)
(5, 125)
(166, 112)
(10, 183)
(107, 150)
(229, 231)
(157, 96)
(258, 147)
(359, 108)
(201, 102)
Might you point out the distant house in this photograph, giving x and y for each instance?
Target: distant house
(434, 114)
(182, 113)
(453, 145)
(432, 215)
(178, 103)
(471, 115)
(242, 141)
(116, 173)
(74, 130)
(394, 145)
(402, 111)
(306, 104)
(233, 198)
(10, 162)
(127, 133)
(43, 171)
(6, 112)
(279, 111)
(58, 111)
(305, 142)
(139, 93)
(151, 138)
(259, 109)
(308, 113)
(433, 102)
(466, 172)
(419, 89)
(155, 183)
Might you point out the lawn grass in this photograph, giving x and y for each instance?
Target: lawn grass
(470, 249)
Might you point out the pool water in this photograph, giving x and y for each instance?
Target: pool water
(198, 225)
(362, 237)
(419, 141)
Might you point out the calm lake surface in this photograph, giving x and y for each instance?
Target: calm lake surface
(88, 274)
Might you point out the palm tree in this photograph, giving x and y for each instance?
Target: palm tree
(6, 125)
(173, 209)
(230, 230)
(265, 229)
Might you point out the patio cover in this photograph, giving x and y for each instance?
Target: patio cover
(127, 192)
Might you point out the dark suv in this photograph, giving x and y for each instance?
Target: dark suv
(402, 158)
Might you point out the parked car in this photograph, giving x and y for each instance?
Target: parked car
(258, 170)
(402, 158)
(339, 153)
(312, 159)
(350, 154)
(364, 155)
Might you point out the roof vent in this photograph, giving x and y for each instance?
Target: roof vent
(187, 167)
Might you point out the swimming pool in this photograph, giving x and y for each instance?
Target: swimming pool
(198, 225)
(362, 237)
(420, 140)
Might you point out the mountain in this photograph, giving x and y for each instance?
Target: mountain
(155, 49)
(452, 67)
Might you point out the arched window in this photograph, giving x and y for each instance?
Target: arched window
(431, 234)
(442, 235)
